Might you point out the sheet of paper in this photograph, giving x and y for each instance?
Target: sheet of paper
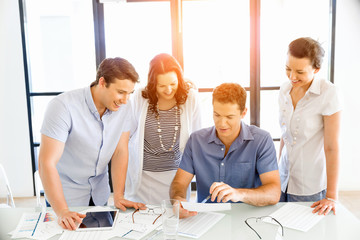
(206, 207)
(196, 226)
(48, 227)
(41, 226)
(143, 225)
(27, 225)
(296, 216)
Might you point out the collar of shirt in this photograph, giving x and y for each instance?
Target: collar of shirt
(245, 135)
(314, 87)
(90, 103)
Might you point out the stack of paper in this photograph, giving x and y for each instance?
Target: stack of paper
(297, 216)
(196, 226)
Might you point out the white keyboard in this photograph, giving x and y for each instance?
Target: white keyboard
(72, 235)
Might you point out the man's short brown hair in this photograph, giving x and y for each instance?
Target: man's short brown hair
(112, 68)
(230, 93)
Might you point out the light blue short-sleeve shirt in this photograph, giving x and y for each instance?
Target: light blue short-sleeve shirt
(250, 155)
(90, 142)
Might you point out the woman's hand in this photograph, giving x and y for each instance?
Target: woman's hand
(122, 204)
(324, 206)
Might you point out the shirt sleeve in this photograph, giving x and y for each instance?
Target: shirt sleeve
(133, 109)
(187, 163)
(57, 121)
(266, 156)
(196, 115)
(332, 101)
(128, 118)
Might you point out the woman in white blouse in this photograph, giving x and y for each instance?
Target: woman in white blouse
(310, 123)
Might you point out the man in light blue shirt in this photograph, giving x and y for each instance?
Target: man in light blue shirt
(232, 161)
(82, 131)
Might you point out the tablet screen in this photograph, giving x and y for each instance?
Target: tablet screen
(98, 220)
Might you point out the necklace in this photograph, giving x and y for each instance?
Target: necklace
(176, 129)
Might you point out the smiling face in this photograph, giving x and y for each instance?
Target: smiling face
(300, 71)
(116, 93)
(166, 86)
(227, 120)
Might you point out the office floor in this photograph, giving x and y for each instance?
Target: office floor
(350, 199)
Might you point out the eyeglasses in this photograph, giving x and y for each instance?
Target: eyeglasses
(265, 219)
(149, 211)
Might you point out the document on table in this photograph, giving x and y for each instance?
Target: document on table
(37, 225)
(196, 226)
(27, 225)
(48, 227)
(206, 207)
(296, 216)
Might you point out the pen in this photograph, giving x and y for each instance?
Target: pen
(126, 233)
(207, 198)
(37, 222)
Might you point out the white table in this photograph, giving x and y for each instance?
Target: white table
(343, 226)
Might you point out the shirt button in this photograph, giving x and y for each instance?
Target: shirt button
(222, 149)
(295, 138)
(222, 164)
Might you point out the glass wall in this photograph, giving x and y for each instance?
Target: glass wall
(282, 22)
(216, 42)
(215, 37)
(60, 44)
(60, 48)
(137, 32)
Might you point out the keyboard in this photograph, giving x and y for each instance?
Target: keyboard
(73, 235)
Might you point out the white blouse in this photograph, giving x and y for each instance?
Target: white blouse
(302, 164)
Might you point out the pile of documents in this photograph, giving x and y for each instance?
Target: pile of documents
(43, 225)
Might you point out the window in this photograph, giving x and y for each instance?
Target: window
(60, 52)
(137, 32)
(216, 47)
(278, 28)
(60, 44)
(216, 41)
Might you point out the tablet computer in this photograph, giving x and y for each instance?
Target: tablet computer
(104, 220)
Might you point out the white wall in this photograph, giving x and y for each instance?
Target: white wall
(14, 132)
(347, 76)
(14, 137)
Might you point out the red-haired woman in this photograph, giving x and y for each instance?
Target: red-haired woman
(165, 113)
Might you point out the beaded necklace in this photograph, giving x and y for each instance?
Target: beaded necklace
(176, 128)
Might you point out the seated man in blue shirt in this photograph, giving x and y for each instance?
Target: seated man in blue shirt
(232, 161)
(82, 131)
